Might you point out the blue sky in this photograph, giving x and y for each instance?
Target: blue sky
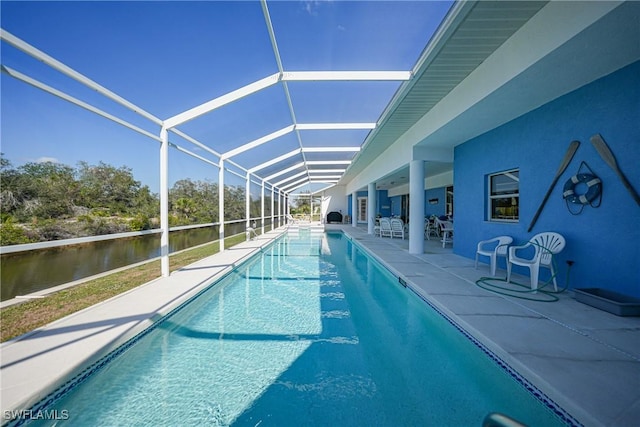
(168, 57)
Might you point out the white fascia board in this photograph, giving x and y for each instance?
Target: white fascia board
(221, 101)
(330, 149)
(335, 126)
(287, 187)
(274, 161)
(328, 181)
(558, 22)
(257, 142)
(298, 175)
(326, 177)
(554, 25)
(307, 76)
(282, 172)
(328, 162)
(64, 69)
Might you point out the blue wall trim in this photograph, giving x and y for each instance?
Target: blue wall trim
(604, 242)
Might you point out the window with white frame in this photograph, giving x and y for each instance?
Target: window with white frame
(504, 196)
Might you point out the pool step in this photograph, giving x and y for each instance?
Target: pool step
(314, 227)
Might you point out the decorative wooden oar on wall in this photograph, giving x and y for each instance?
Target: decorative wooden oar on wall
(603, 149)
(573, 147)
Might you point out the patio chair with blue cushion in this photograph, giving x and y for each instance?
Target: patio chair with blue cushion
(493, 248)
(545, 246)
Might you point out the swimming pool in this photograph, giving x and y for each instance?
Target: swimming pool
(311, 331)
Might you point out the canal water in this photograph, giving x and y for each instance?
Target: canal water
(22, 273)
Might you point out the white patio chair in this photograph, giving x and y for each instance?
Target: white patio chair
(446, 231)
(431, 229)
(397, 228)
(376, 227)
(385, 227)
(493, 248)
(545, 246)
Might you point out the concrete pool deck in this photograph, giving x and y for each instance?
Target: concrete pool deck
(585, 359)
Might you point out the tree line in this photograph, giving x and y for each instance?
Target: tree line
(52, 201)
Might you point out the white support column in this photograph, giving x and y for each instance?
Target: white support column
(247, 204)
(346, 211)
(282, 208)
(310, 207)
(262, 207)
(221, 204)
(371, 206)
(354, 209)
(279, 209)
(273, 213)
(416, 207)
(164, 202)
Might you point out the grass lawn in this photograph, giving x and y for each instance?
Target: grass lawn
(19, 319)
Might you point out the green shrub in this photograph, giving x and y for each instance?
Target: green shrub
(12, 234)
(85, 218)
(101, 212)
(140, 222)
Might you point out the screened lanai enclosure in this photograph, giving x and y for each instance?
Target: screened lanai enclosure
(265, 100)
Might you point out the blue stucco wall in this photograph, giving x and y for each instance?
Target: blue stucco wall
(396, 205)
(604, 242)
(384, 203)
(438, 209)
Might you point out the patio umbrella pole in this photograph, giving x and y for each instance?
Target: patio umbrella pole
(605, 152)
(573, 147)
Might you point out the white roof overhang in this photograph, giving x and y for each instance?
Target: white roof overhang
(489, 63)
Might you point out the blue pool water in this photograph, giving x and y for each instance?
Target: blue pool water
(309, 332)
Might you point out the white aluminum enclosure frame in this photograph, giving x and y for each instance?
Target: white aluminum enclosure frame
(287, 181)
